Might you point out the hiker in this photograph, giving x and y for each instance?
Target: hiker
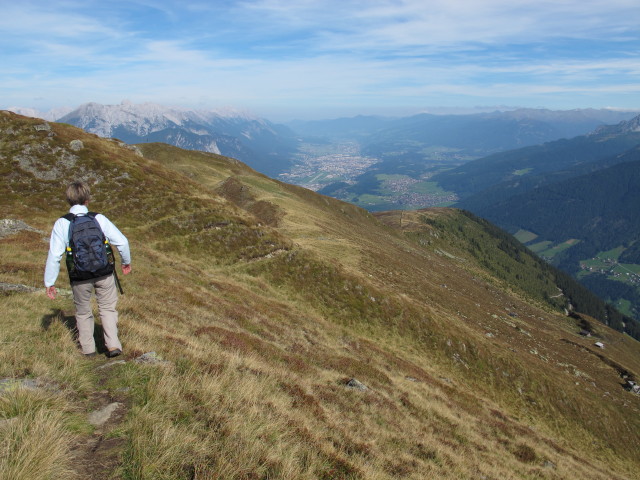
(85, 280)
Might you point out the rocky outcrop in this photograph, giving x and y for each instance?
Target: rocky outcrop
(10, 226)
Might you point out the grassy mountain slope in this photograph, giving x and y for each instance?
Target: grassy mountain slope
(265, 299)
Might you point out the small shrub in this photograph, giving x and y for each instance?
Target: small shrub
(525, 453)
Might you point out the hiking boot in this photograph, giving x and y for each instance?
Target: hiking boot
(90, 355)
(114, 353)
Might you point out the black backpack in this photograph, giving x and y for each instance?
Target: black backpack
(87, 257)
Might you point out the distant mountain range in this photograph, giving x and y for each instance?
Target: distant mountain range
(420, 147)
(265, 146)
(493, 178)
(497, 130)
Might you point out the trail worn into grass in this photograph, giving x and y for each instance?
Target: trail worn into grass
(98, 456)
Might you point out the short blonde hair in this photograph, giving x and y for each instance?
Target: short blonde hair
(78, 193)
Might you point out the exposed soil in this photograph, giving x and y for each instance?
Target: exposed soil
(98, 456)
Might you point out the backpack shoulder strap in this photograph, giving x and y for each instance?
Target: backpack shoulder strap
(69, 216)
(92, 214)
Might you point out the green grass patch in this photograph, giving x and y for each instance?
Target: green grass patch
(367, 200)
(540, 246)
(612, 254)
(547, 249)
(522, 171)
(553, 251)
(428, 188)
(524, 236)
(624, 306)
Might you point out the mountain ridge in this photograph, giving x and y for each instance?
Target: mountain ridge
(506, 171)
(256, 141)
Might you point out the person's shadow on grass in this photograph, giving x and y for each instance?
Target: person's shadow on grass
(69, 321)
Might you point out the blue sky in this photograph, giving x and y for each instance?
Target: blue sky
(321, 59)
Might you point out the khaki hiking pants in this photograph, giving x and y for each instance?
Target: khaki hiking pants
(107, 296)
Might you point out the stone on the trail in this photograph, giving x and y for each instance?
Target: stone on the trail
(150, 358)
(98, 418)
(111, 364)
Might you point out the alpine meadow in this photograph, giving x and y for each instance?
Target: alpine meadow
(271, 332)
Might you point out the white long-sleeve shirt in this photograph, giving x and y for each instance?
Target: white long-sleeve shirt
(60, 240)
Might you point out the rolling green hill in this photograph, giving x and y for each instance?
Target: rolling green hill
(296, 336)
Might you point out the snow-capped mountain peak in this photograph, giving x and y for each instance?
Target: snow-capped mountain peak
(51, 115)
(227, 131)
(142, 119)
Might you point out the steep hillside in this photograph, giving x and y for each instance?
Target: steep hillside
(600, 209)
(296, 336)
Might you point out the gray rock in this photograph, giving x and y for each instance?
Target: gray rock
(76, 145)
(32, 383)
(111, 364)
(43, 127)
(9, 226)
(356, 385)
(98, 418)
(150, 358)
(11, 384)
(19, 288)
(135, 149)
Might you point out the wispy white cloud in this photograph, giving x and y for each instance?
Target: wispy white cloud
(408, 23)
(29, 20)
(261, 52)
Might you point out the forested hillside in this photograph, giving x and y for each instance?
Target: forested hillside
(601, 209)
(576, 222)
(484, 182)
